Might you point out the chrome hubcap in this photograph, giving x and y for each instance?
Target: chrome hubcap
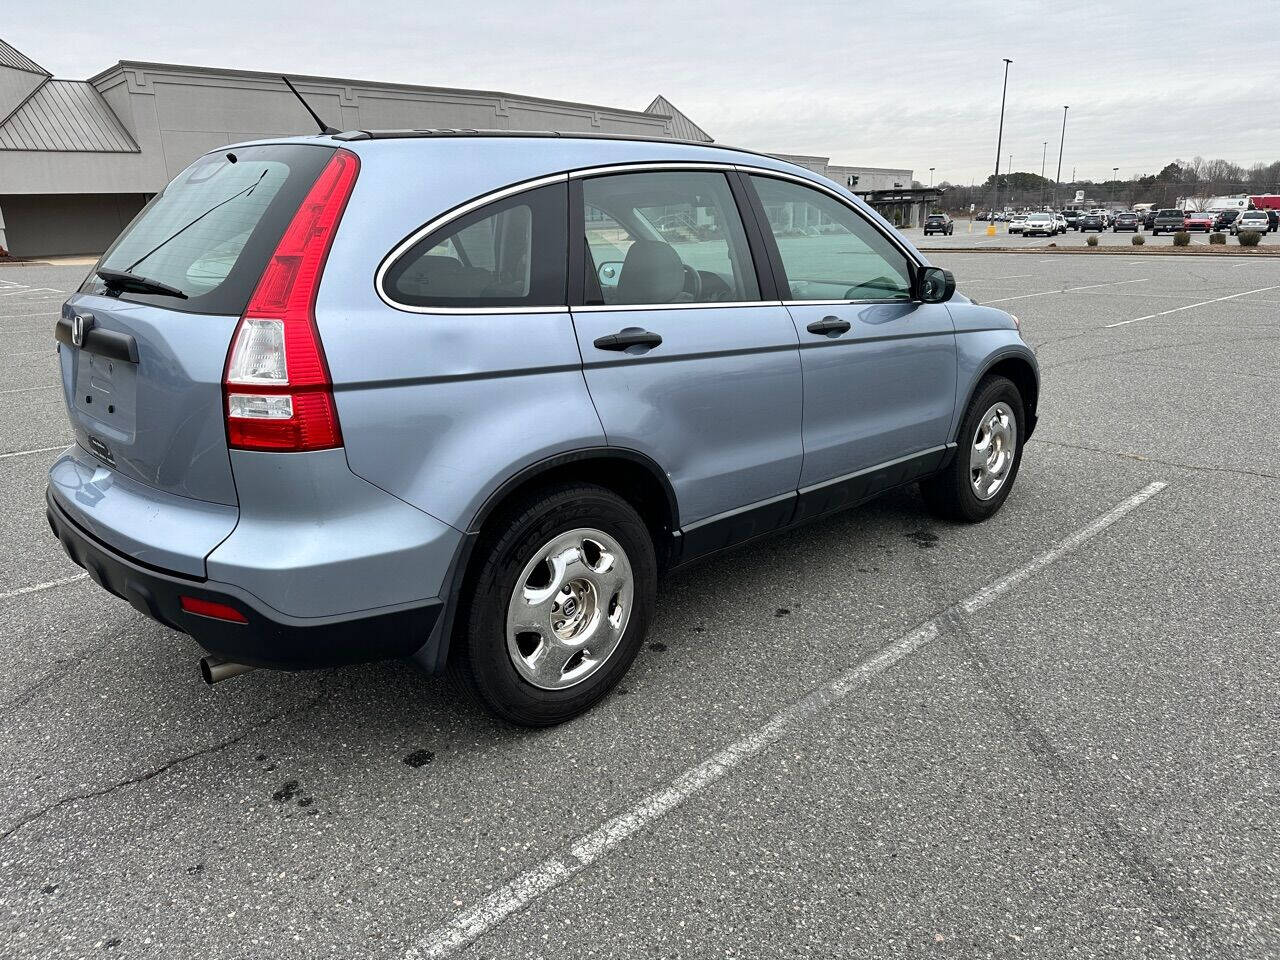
(569, 609)
(994, 444)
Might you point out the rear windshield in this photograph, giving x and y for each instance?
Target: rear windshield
(935, 216)
(210, 232)
(1170, 213)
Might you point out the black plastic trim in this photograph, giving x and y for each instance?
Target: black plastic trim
(268, 639)
(106, 343)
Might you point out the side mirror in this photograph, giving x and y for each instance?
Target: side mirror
(934, 285)
(609, 272)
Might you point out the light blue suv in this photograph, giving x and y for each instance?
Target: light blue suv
(463, 396)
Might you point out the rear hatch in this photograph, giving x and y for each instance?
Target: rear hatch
(143, 352)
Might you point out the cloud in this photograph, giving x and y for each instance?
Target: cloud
(910, 84)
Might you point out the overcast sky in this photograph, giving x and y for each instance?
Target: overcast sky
(882, 84)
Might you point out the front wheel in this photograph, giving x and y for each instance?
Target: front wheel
(981, 474)
(559, 607)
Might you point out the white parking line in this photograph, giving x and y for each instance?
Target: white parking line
(42, 586)
(1190, 306)
(1017, 276)
(24, 316)
(46, 386)
(24, 453)
(1046, 293)
(514, 896)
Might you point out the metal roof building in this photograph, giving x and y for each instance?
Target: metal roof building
(78, 158)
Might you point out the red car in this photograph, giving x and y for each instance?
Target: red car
(1197, 221)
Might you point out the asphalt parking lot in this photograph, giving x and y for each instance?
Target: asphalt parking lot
(977, 237)
(1052, 735)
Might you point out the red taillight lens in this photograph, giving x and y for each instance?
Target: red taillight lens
(277, 391)
(208, 608)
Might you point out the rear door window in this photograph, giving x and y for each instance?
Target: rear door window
(210, 232)
(665, 237)
(510, 253)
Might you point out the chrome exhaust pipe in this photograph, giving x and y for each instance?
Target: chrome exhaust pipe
(215, 669)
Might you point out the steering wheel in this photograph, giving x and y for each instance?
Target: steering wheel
(692, 278)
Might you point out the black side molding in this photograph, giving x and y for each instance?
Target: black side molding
(106, 343)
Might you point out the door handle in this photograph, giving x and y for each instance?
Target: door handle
(630, 337)
(829, 325)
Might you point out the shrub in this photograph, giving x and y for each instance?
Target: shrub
(1182, 239)
(1091, 240)
(1139, 239)
(1249, 238)
(1218, 238)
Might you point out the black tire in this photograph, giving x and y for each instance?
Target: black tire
(950, 494)
(479, 661)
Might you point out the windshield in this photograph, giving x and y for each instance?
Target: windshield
(1039, 216)
(210, 232)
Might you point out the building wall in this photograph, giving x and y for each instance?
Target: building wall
(869, 178)
(61, 224)
(178, 113)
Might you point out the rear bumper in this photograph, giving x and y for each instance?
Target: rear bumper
(267, 638)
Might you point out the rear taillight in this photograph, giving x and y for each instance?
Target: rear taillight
(277, 389)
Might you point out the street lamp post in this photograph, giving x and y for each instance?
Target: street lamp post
(931, 176)
(995, 183)
(1044, 152)
(1115, 178)
(1061, 143)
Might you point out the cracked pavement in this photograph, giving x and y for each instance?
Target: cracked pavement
(1087, 767)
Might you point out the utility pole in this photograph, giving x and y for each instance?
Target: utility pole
(1115, 178)
(995, 184)
(1057, 183)
(931, 176)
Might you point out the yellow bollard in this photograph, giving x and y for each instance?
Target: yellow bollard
(991, 229)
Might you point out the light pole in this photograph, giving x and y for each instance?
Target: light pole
(1061, 143)
(1115, 178)
(1044, 152)
(931, 176)
(995, 183)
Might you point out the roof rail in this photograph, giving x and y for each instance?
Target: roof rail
(426, 132)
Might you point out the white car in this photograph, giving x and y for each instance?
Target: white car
(1017, 222)
(1039, 223)
(1251, 220)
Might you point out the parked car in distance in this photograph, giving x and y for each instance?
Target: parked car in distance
(1091, 220)
(1125, 221)
(358, 413)
(1041, 224)
(1061, 222)
(1017, 222)
(1255, 220)
(939, 223)
(1149, 218)
(1072, 218)
(1223, 219)
(1197, 220)
(1168, 220)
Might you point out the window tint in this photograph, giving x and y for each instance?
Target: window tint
(210, 232)
(665, 237)
(829, 252)
(511, 253)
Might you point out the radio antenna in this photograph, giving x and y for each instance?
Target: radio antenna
(324, 127)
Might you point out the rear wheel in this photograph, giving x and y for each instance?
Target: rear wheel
(559, 606)
(976, 484)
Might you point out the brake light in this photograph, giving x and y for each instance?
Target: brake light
(277, 389)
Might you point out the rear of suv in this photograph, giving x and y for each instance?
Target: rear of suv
(329, 410)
